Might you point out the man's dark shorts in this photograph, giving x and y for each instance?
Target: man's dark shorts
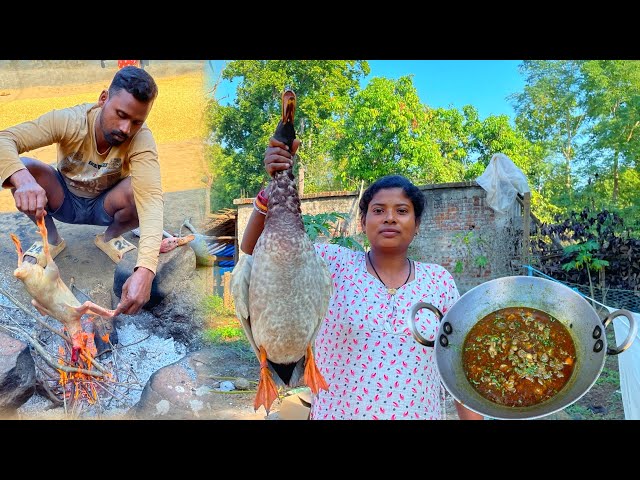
(79, 210)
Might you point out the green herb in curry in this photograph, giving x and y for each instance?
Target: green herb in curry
(518, 356)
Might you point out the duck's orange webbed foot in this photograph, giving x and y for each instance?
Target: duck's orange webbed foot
(16, 242)
(312, 376)
(267, 391)
(42, 230)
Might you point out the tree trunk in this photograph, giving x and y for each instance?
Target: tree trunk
(567, 180)
(615, 177)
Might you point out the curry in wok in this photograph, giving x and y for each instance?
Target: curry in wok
(518, 356)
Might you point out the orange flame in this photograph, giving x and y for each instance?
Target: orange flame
(77, 384)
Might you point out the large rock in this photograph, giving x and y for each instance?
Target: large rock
(17, 374)
(171, 394)
(174, 270)
(180, 314)
(192, 388)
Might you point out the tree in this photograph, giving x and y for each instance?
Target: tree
(612, 102)
(387, 130)
(550, 112)
(243, 129)
(496, 135)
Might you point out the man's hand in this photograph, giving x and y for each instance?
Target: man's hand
(29, 196)
(136, 292)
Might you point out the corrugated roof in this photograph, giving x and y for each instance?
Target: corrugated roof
(221, 223)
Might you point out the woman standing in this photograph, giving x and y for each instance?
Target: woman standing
(364, 348)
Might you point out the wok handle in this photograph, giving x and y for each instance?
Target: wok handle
(412, 322)
(633, 330)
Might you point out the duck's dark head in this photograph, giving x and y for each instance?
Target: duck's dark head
(285, 131)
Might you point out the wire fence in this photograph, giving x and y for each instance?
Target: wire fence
(614, 297)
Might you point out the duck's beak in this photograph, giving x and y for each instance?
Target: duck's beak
(288, 105)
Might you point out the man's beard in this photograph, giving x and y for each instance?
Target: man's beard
(113, 140)
(111, 137)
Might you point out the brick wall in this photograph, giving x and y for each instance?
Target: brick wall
(454, 212)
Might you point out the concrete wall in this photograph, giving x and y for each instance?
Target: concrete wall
(455, 212)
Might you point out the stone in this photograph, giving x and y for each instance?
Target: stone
(17, 374)
(242, 384)
(174, 270)
(188, 389)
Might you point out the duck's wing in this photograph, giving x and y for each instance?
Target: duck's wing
(240, 279)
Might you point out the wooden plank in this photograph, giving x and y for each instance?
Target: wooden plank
(526, 228)
(227, 299)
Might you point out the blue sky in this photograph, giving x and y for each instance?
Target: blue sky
(484, 84)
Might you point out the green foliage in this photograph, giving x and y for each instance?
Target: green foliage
(613, 105)
(320, 224)
(323, 224)
(550, 113)
(224, 333)
(470, 247)
(347, 242)
(598, 193)
(230, 336)
(387, 130)
(605, 393)
(214, 305)
(583, 116)
(349, 135)
(481, 261)
(575, 135)
(543, 209)
(609, 375)
(495, 135)
(584, 257)
(459, 267)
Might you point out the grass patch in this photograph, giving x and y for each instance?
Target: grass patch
(224, 334)
(213, 306)
(222, 325)
(579, 411)
(609, 375)
(230, 336)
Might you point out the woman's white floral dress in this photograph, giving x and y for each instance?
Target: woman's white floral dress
(374, 367)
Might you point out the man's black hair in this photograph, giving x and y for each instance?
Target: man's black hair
(135, 81)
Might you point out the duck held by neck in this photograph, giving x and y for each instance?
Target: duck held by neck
(283, 208)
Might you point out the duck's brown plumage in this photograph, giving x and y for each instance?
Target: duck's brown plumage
(284, 299)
